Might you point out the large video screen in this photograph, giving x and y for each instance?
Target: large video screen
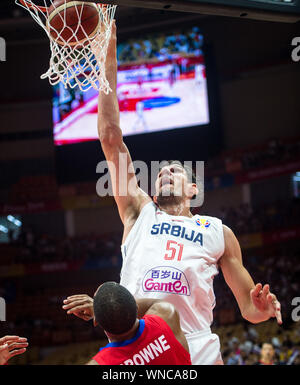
(161, 85)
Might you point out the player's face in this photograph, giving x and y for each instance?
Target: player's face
(171, 181)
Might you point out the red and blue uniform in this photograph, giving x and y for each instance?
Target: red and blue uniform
(153, 344)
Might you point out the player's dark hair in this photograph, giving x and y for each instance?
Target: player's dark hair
(115, 308)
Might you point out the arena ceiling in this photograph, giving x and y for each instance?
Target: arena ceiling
(17, 24)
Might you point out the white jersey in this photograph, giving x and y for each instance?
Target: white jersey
(174, 258)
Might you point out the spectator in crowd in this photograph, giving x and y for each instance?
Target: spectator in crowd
(267, 355)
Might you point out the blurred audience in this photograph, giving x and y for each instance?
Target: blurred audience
(248, 352)
(273, 152)
(161, 47)
(246, 219)
(32, 247)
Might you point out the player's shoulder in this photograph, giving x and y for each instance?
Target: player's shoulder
(146, 207)
(206, 217)
(155, 316)
(161, 313)
(207, 221)
(164, 318)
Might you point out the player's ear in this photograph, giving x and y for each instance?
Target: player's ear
(95, 323)
(155, 199)
(192, 190)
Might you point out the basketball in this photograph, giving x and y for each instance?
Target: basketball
(72, 21)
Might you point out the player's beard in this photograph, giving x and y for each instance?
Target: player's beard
(169, 200)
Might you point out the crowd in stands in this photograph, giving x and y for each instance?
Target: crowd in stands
(32, 246)
(161, 46)
(273, 152)
(276, 151)
(38, 315)
(256, 346)
(245, 219)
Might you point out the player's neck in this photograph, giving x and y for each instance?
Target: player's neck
(125, 336)
(177, 210)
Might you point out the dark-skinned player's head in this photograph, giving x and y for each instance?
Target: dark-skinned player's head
(115, 308)
(175, 182)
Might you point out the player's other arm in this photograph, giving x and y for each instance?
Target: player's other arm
(256, 303)
(11, 346)
(167, 312)
(129, 197)
(92, 362)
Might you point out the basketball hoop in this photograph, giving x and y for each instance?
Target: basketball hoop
(77, 53)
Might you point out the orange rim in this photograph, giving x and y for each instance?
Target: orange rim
(31, 6)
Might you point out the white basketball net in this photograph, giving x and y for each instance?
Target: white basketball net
(75, 62)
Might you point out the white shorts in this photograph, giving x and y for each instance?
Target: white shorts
(204, 348)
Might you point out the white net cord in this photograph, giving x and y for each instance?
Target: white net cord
(75, 61)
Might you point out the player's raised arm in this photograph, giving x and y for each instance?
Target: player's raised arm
(256, 303)
(129, 197)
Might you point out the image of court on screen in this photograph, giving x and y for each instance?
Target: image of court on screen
(161, 85)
